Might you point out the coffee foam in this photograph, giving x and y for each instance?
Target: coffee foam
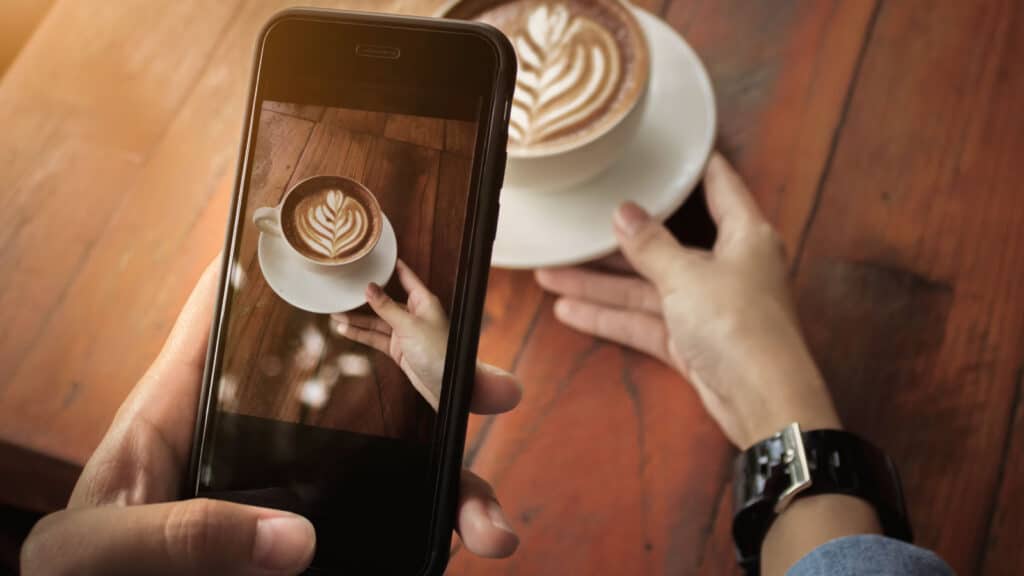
(330, 224)
(572, 68)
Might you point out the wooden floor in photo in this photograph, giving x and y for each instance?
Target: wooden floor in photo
(882, 138)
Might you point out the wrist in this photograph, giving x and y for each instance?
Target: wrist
(772, 408)
(810, 522)
(782, 387)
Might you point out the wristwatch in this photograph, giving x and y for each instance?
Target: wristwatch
(794, 464)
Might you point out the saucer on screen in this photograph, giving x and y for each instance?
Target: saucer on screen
(326, 289)
(658, 170)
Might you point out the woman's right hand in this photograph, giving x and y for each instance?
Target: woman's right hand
(723, 318)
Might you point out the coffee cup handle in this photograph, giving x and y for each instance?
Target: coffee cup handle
(268, 219)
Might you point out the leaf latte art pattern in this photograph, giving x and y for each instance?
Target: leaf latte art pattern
(332, 224)
(569, 71)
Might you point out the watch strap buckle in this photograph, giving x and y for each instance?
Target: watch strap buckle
(794, 458)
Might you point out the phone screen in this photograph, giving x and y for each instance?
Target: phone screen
(360, 172)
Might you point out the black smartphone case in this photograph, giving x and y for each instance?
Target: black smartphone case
(457, 386)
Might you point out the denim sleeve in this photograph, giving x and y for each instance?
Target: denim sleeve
(869, 554)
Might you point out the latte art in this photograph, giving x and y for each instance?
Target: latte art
(331, 224)
(570, 70)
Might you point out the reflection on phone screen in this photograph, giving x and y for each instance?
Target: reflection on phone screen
(325, 405)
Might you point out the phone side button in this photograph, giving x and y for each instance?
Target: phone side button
(497, 214)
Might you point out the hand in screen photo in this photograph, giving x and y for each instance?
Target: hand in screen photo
(414, 335)
(124, 517)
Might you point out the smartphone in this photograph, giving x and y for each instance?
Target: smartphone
(373, 154)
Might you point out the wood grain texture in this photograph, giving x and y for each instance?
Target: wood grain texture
(1002, 549)
(881, 138)
(137, 182)
(781, 72)
(19, 22)
(909, 282)
(772, 66)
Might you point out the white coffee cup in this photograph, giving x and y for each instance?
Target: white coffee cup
(581, 88)
(561, 169)
(268, 218)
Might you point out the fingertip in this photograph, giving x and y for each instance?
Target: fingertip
(498, 519)
(496, 390)
(485, 530)
(548, 278)
(728, 198)
(284, 543)
(341, 323)
(505, 541)
(562, 308)
(717, 162)
(717, 175)
(629, 218)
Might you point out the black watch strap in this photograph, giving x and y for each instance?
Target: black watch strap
(794, 464)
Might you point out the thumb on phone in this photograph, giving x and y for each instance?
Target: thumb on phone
(197, 536)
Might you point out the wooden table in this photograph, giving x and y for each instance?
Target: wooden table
(882, 138)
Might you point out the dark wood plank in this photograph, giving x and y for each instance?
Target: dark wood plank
(672, 498)
(909, 280)
(357, 120)
(309, 112)
(1003, 551)
(15, 525)
(459, 137)
(928, 147)
(510, 312)
(419, 130)
(719, 555)
(49, 493)
(261, 326)
(781, 72)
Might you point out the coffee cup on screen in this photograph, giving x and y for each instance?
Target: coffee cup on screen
(327, 220)
(583, 73)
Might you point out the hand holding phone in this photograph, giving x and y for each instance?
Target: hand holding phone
(367, 189)
(122, 517)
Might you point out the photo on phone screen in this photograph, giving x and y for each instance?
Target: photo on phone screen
(349, 239)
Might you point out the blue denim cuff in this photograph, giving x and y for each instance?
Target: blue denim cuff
(869, 554)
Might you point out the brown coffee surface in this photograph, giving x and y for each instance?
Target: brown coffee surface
(582, 65)
(329, 224)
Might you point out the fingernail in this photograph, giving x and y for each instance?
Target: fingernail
(284, 543)
(630, 217)
(498, 519)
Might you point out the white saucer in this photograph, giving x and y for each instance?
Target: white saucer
(538, 228)
(326, 289)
